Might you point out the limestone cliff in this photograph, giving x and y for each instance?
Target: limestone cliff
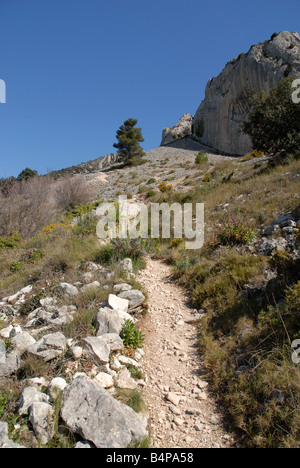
(181, 129)
(217, 122)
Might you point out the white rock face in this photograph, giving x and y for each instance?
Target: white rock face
(181, 129)
(217, 121)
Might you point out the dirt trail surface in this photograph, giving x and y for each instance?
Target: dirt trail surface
(182, 411)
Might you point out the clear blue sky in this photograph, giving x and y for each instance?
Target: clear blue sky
(76, 69)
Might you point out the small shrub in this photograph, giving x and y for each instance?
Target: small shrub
(183, 264)
(142, 189)
(199, 131)
(131, 336)
(236, 235)
(16, 266)
(207, 178)
(176, 243)
(119, 249)
(201, 158)
(151, 181)
(164, 187)
(32, 256)
(106, 254)
(10, 242)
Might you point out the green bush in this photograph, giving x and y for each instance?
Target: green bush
(236, 235)
(274, 120)
(131, 336)
(207, 178)
(201, 158)
(199, 131)
(16, 266)
(10, 242)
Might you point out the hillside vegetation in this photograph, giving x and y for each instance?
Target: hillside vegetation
(244, 282)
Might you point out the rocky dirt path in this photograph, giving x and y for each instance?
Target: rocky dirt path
(182, 412)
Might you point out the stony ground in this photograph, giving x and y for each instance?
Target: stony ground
(183, 413)
(175, 163)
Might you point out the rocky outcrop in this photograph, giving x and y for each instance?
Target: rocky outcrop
(90, 406)
(108, 160)
(217, 122)
(88, 410)
(181, 129)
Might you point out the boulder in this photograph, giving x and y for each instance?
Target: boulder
(20, 293)
(134, 297)
(41, 417)
(49, 347)
(125, 265)
(5, 332)
(100, 347)
(29, 396)
(94, 285)
(10, 362)
(268, 246)
(3, 432)
(56, 386)
(77, 352)
(122, 287)
(285, 220)
(23, 341)
(104, 380)
(124, 379)
(111, 321)
(89, 411)
(69, 289)
(117, 303)
(83, 445)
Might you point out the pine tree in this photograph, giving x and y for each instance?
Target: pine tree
(129, 149)
(27, 174)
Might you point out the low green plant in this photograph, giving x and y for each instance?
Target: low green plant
(201, 158)
(131, 336)
(207, 178)
(16, 266)
(10, 242)
(237, 234)
(176, 243)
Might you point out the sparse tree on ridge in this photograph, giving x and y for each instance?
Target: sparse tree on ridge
(129, 139)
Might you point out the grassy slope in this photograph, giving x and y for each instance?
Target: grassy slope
(246, 344)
